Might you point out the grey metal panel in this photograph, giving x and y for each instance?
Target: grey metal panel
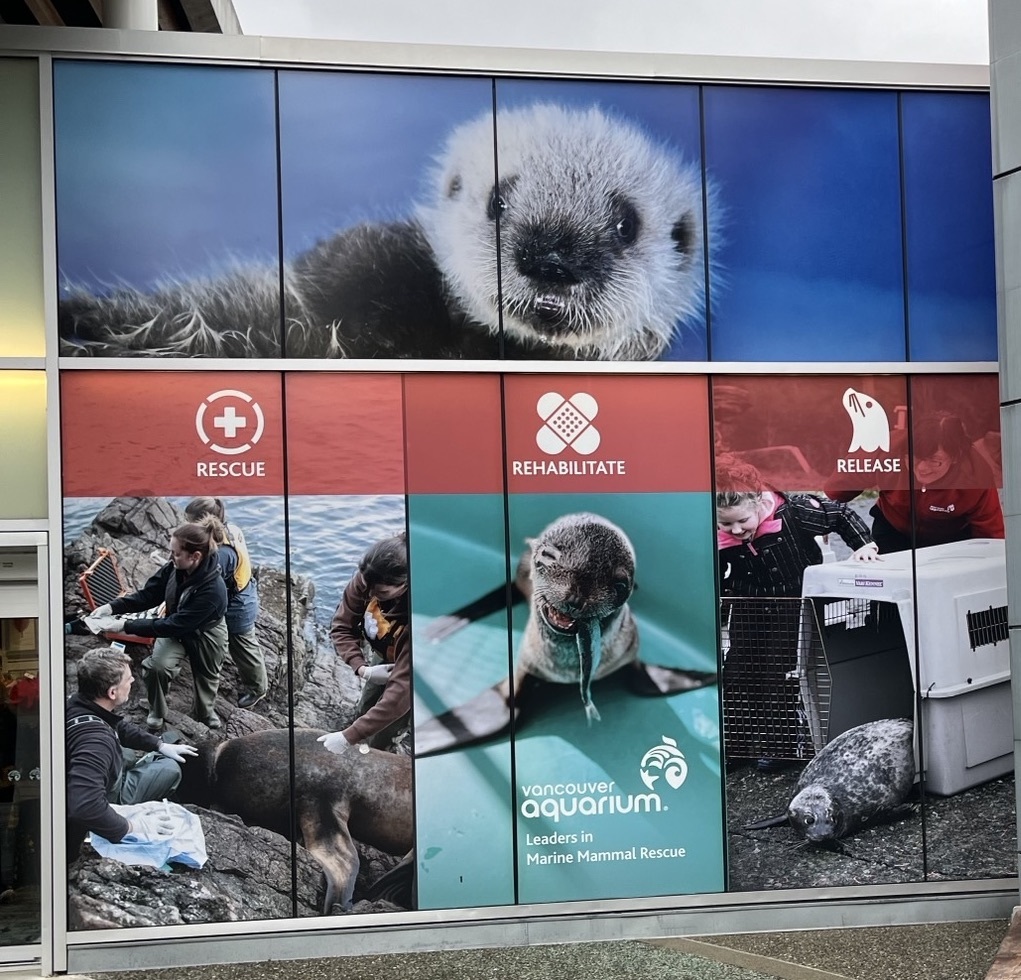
(143, 363)
(1010, 436)
(1004, 28)
(1005, 84)
(1007, 217)
(424, 57)
(769, 915)
(1013, 527)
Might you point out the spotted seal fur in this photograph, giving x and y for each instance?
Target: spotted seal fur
(863, 775)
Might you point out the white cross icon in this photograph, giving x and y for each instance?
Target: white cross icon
(230, 422)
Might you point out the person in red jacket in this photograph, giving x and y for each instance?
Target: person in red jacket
(952, 496)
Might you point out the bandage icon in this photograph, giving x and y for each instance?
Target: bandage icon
(567, 422)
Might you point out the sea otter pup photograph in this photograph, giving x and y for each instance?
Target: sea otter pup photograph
(584, 239)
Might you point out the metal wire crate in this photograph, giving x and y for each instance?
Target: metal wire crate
(776, 683)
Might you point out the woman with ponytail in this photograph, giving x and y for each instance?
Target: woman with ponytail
(190, 625)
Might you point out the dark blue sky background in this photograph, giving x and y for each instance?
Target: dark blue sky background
(170, 171)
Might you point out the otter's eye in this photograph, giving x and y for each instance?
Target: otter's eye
(809, 819)
(499, 197)
(545, 558)
(626, 222)
(455, 185)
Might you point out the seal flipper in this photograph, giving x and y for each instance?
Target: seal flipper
(486, 715)
(779, 820)
(651, 680)
(511, 593)
(492, 602)
(397, 884)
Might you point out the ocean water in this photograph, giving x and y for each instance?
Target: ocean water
(327, 535)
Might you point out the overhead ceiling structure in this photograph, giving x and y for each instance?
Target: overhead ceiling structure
(205, 16)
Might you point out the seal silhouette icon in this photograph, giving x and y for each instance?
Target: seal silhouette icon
(870, 426)
(567, 422)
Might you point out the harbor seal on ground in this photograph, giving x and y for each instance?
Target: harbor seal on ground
(364, 796)
(588, 245)
(865, 774)
(577, 575)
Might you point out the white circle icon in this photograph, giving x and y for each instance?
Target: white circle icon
(567, 422)
(235, 416)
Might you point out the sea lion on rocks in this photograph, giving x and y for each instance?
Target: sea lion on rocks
(599, 230)
(578, 576)
(863, 775)
(356, 795)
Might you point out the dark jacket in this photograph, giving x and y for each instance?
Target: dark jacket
(774, 564)
(94, 762)
(242, 604)
(194, 601)
(348, 633)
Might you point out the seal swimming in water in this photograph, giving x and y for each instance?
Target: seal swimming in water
(599, 230)
(364, 796)
(863, 775)
(577, 575)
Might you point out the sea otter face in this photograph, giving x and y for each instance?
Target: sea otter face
(583, 569)
(599, 231)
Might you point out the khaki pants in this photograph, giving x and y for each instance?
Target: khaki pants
(164, 664)
(246, 653)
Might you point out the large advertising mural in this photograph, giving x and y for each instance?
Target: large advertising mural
(348, 215)
(598, 704)
(476, 639)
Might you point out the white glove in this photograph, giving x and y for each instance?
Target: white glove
(152, 826)
(105, 624)
(104, 610)
(177, 752)
(334, 742)
(377, 674)
(867, 552)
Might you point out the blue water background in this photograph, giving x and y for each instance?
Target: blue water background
(328, 534)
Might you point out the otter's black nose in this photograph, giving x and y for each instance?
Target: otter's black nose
(549, 267)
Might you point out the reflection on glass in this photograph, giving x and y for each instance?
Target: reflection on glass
(19, 782)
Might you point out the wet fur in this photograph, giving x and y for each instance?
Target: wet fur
(337, 798)
(582, 572)
(601, 251)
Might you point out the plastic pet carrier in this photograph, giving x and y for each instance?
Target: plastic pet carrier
(960, 664)
(102, 582)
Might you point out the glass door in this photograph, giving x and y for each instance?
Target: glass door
(20, 768)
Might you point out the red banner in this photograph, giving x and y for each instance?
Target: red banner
(606, 434)
(807, 433)
(155, 433)
(345, 433)
(454, 434)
